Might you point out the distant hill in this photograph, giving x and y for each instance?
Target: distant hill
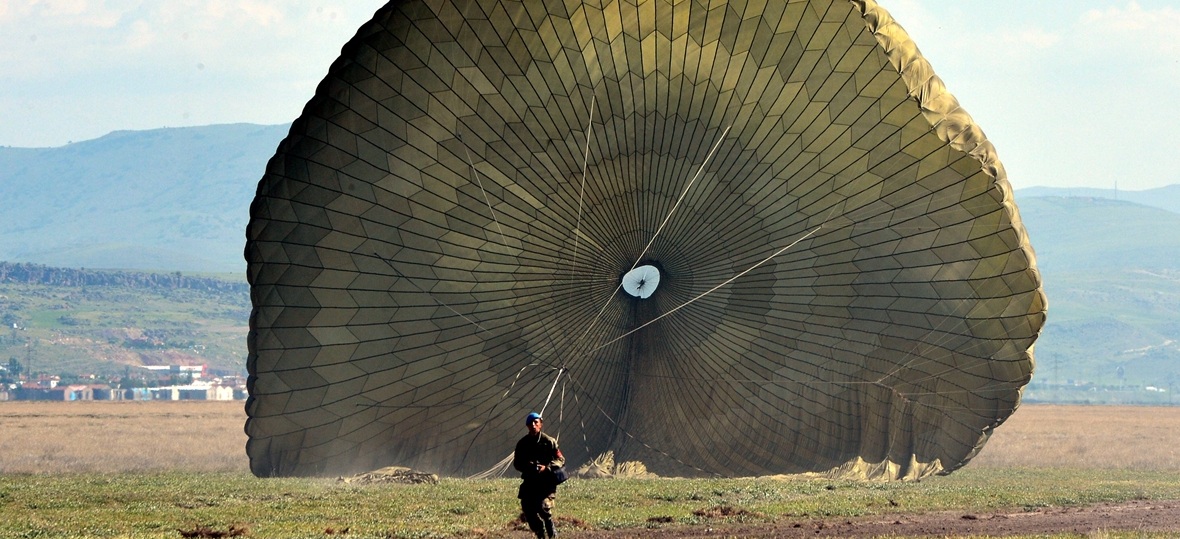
(164, 199)
(176, 200)
(1166, 198)
(1072, 234)
(1112, 275)
(105, 322)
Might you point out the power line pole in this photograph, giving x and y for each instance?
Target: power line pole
(29, 359)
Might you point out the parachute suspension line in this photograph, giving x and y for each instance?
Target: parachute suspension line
(560, 406)
(582, 189)
(561, 410)
(912, 398)
(683, 193)
(573, 262)
(637, 440)
(502, 466)
(582, 193)
(428, 294)
(400, 275)
(577, 225)
(551, 389)
(479, 182)
(885, 219)
(913, 353)
(550, 343)
(517, 379)
(711, 290)
(498, 469)
(539, 361)
(667, 218)
(491, 415)
(581, 422)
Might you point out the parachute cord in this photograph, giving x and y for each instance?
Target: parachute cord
(913, 354)
(582, 423)
(582, 194)
(498, 469)
(479, 182)
(637, 440)
(539, 360)
(667, 218)
(560, 410)
(428, 294)
(492, 411)
(551, 389)
(582, 189)
(709, 291)
(577, 226)
(683, 194)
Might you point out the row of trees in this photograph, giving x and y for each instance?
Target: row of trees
(24, 273)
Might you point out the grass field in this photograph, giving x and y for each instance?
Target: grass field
(166, 469)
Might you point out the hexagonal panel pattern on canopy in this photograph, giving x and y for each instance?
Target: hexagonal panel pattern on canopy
(438, 246)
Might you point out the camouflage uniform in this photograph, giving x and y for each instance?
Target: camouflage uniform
(538, 489)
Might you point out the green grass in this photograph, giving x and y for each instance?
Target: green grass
(162, 505)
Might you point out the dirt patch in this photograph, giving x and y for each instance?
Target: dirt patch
(1140, 515)
(723, 511)
(207, 532)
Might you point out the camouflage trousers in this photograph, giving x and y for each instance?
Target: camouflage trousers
(538, 512)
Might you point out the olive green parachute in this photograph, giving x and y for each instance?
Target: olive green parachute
(730, 239)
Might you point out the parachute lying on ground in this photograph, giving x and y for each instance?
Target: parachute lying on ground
(717, 238)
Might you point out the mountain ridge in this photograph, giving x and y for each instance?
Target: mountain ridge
(177, 199)
(164, 199)
(1165, 198)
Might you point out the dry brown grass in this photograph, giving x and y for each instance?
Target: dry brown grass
(1092, 437)
(95, 436)
(198, 436)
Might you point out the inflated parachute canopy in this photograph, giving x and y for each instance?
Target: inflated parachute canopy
(718, 238)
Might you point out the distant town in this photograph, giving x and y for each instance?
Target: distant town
(148, 383)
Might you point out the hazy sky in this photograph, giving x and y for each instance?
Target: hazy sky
(1073, 94)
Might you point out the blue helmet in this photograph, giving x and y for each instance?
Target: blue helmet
(532, 415)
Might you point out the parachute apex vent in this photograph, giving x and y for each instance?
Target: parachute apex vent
(642, 281)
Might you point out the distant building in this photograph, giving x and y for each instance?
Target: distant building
(197, 391)
(196, 371)
(49, 390)
(106, 393)
(36, 392)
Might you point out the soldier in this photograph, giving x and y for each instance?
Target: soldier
(539, 461)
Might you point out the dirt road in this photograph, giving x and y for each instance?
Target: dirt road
(1145, 516)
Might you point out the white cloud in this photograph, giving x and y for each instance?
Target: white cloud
(77, 69)
(1145, 29)
(259, 14)
(1029, 71)
(63, 36)
(1068, 91)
